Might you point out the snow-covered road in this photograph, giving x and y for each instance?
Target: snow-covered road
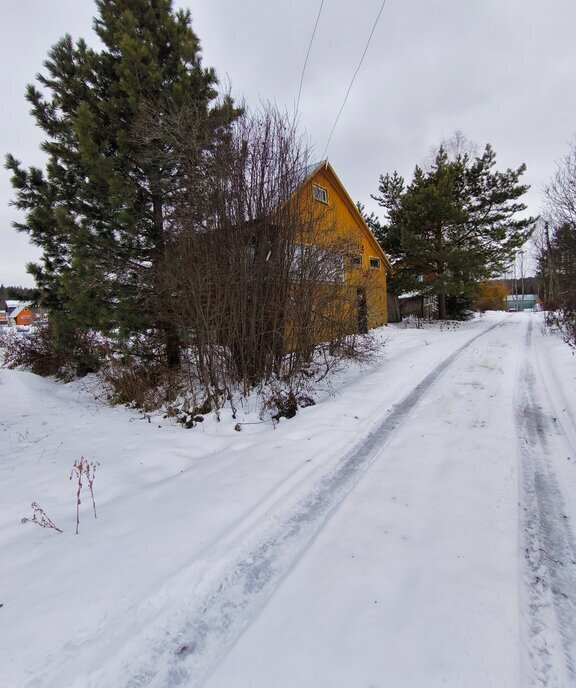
(414, 579)
(414, 531)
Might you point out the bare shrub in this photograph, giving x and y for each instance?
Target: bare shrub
(563, 321)
(135, 383)
(35, 351)
(40, 352)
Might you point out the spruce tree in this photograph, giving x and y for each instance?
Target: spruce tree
(98, 209)
(453, 225)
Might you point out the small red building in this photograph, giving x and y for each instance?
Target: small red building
(20, 315)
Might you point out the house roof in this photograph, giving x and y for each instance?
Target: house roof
(16, 312)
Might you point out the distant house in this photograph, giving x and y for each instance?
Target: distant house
(519, 302)
(3, 318)
(18, 314)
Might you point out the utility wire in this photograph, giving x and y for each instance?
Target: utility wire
(353, 78)
(308, 54)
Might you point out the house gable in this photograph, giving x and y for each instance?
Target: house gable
(343, 211)
(339, 217)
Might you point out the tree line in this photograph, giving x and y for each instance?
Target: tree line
(29, 295)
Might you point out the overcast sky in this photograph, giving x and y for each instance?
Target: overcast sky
(502, 71)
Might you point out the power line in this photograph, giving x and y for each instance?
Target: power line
(353, 78)
(308, 54)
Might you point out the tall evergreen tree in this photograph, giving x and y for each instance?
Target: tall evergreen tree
(98, 210)
(453, 225)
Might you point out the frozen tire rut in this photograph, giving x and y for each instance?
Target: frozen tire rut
(180, 650)
(548, 541)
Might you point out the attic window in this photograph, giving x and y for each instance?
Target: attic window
(375, 263)
(356, 260)
(319, 193)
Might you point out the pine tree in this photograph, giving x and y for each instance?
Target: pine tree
(98, 210)
(453, 225)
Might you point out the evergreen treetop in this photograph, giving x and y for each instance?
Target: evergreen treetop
(453, 225)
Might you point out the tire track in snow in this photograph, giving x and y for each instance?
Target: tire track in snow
(548, 542)
(183, 653)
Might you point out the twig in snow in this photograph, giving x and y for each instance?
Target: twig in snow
(40, 518)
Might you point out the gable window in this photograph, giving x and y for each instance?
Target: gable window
(374, 263)
(319, 193)
(356, 260)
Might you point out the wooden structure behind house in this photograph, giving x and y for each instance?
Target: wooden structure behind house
(419, 306)
(365, 266)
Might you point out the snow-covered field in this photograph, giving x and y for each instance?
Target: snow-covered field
(413, 529)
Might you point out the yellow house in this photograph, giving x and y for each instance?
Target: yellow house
(337, 221)
(296, 278)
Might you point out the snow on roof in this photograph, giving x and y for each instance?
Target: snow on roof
(300, 176)
(16, 312)
(310, 169)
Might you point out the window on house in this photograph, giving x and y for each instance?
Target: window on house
(356, 260)
(319, 193)
(375, 263)
(335, 268)
(310, 262)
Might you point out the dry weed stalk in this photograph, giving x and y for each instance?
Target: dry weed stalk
(83, 467)
(40, 518)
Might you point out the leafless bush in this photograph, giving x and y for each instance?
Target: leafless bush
(34, 350)
(136, 383)
(563, 321)
(39, 351)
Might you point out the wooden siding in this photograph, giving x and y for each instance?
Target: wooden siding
(339, 218)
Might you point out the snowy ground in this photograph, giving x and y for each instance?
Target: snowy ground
(413, 529)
